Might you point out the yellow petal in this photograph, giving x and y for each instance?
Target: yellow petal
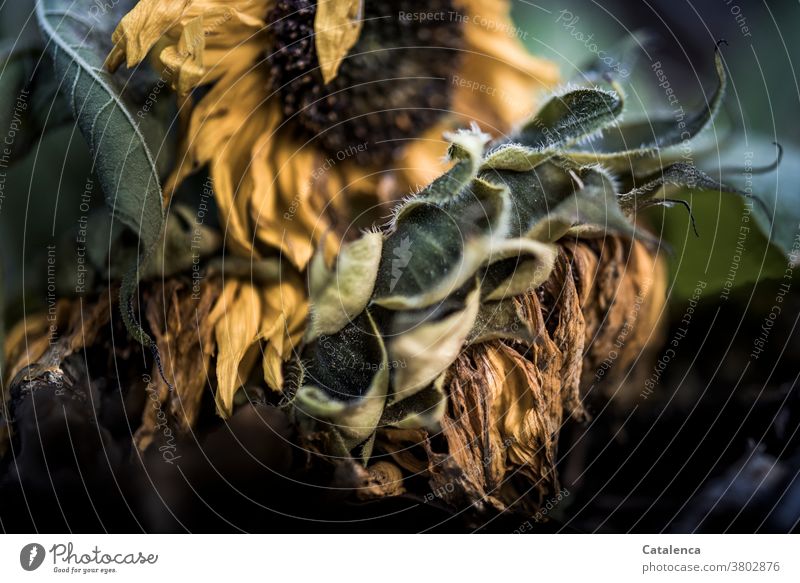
(185, 59)
(226, 126)
(282, 209)
(293, 307)
(236, 333)
(337, 27)
(497, 58)
(284, 313)
(141, 29)
(273, 368)
(422, 160)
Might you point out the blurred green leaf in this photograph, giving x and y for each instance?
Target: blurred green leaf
(778, 189)
(122, 160)
(29, 101)
(110, 125)
(730, 250)
(739, 242)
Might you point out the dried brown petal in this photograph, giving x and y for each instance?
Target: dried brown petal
(508, 401)
(183, 330)
(39, 344)
(381, 479)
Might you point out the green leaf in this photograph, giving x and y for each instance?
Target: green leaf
(185, 243)
(730, 251)
(513, 156)
(632, 146)
(29, 100)
(427, 349)
(554, 200)
(111, 127)
(108, 253)
(566, 119)
(570, 117)
(423, 410)
(501, 320)
(679, 176)
(777, 188)
(518, 266)
(738, 243)
(466, 148)
(434, 249)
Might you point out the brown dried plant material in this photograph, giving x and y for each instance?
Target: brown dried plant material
(507, 401)
(623, 301)
(39, 344)
(183, 330)
(26, 343)
(43, 341)
(379, 480)
(407, 447)
(222, 331)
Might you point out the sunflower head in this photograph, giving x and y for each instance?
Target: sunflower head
(313, 104)
(468, 261)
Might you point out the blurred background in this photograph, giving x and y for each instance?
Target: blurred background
(715, 446)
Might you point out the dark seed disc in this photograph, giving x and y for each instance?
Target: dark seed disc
(394, 84)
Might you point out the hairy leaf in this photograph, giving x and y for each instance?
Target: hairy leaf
(423, 409)
(503, 319)
(425, 351)
(435, 249)
(626, 147)
(569, 117)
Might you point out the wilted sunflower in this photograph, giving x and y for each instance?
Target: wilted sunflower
(451, 339)
(300, 110)
(523, 270)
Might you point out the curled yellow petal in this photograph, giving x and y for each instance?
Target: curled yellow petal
(142, 28)
(284, 313)
(282, 209)
(185, 59)
(273, 368)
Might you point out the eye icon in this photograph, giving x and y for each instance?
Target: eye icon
(31, 556)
